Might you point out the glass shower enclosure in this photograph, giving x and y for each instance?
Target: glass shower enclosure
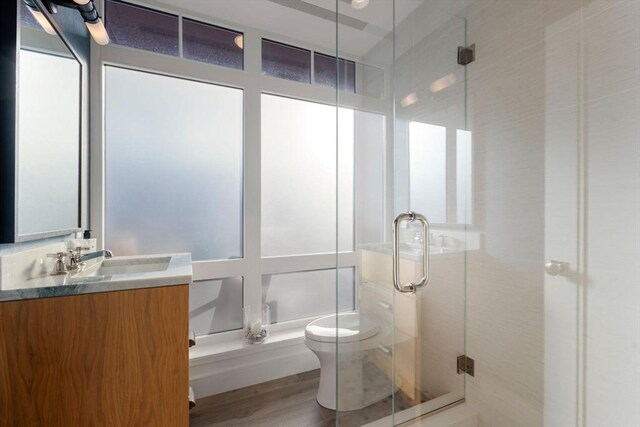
(511, 127)
(411, 214)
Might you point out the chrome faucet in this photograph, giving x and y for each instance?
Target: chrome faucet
(75, 259)
(97, 254)
(60, 268)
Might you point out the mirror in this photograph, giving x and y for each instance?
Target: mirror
(440, 175)
(48, 132)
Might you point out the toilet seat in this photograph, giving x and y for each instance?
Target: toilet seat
(342, 328)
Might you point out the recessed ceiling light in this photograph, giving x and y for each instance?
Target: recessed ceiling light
(359, 4)
(410, 99)
(442, 83)
(239, 41)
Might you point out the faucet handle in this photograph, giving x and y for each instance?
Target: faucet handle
(58, 255)
(59, 268)
(76, 257)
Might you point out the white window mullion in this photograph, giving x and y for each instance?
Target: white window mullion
(211, 270)
(252, 168)
(287, 264)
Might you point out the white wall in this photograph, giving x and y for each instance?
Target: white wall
(505, 326)
(554, 106)
(442, 326)
(612, 143)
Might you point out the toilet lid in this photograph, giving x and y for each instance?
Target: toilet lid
(351, 327)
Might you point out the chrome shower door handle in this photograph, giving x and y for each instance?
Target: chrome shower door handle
(411, 286)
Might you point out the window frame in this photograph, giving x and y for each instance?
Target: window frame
(181, 20)
(105, 8)
(339, 61)
(288, 46)
(252, 266)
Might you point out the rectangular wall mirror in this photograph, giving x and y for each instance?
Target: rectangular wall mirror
(48, 130)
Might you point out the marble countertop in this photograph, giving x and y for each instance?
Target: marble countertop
(178, 272)
(408, 251)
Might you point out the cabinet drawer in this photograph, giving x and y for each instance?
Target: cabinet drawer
(378, 302)
(406, 363)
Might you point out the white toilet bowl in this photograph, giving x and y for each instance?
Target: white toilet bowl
(343, 342)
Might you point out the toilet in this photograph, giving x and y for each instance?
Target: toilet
(352, 337)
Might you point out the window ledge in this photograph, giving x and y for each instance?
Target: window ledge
(208, 349)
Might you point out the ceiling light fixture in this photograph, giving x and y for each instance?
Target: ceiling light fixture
(239, 41)
(442, 83)
(88, 12)
(39, 16)
(410, 99)
(359, 4)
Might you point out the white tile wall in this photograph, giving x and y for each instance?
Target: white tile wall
(612, 314)
(442, 326)
(612, 50)
(553, 78)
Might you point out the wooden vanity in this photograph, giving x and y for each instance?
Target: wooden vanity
(115, 358)
(402, 311)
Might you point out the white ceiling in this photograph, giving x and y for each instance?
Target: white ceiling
(292, 25)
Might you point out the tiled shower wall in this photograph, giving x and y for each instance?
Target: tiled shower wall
(553, 79)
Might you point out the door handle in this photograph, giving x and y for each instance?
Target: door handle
(384, 305)
(424, 280)
(384, 349)
(556, 268)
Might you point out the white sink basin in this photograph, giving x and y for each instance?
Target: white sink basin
(106, 275)
(126, 265)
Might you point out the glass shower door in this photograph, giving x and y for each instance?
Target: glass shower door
(412, 159)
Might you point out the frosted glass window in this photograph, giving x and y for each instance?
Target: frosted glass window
(286, 62)
(324, 72)
(428, 170)
(463, 176)
(215, 305)
(370, 176)
(294, 296)
(212, 44)
(173, 166)
(141, 28)
(372, 81)
(299, 155)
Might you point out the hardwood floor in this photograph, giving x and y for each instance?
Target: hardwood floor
(285, 402)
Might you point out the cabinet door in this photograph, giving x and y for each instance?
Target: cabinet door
(114, 359)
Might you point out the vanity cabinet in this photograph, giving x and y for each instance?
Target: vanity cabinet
(102, 359)
(376, 299)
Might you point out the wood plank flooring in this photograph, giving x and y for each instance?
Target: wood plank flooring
(285, 402)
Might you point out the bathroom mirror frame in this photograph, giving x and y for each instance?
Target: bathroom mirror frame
(10, 46)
